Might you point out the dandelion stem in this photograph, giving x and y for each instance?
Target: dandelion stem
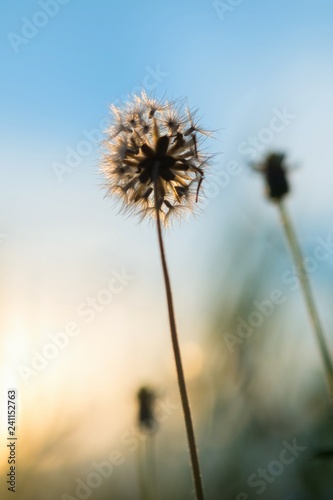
(142, 473)
(151, 467)
(306, 288)
(178, 360)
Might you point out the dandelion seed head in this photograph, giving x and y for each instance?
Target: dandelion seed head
(146, 418)
(153, 157)
(275, 172)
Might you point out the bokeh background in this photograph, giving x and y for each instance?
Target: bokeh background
(241, 63)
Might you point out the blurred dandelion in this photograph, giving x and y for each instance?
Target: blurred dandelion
(146, 419)
(155, 164)
(275, 172)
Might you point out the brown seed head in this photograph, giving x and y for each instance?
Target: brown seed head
(275, 173)
(146, 418)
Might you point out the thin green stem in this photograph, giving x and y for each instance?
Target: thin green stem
(151, 467)
(305, 284)
(179, 366)
(142, 472)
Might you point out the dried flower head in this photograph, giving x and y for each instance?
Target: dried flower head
(146, 418)
(153, 158)
(275, 172)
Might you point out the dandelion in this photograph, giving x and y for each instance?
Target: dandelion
(146, 419)
(153, 160)
(275, 172)
(155, 165)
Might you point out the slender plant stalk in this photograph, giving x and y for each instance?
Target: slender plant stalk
(179, 366)
(147, 471)
(305, 284)
(142, 473)
(151, 467)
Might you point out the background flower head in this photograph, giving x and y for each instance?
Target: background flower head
(154, 158)
(275, 172)
(146, 419)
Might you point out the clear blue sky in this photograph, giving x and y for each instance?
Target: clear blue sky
(236, 66)
(240, 69)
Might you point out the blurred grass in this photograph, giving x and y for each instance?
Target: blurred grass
(246, 404)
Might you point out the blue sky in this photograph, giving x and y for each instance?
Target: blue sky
(237, 69)
(240, 69)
